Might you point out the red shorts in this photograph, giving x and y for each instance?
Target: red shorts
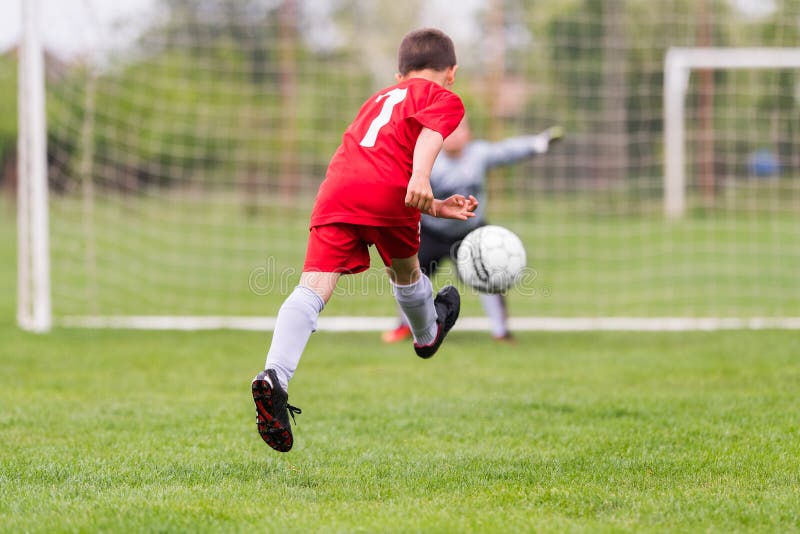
(344, 248)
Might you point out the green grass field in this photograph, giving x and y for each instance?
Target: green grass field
(140, 431)
(126, 431)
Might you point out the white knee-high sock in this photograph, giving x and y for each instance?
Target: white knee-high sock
(495, 308)
(297, 319)
(416, 302)
(401, 316)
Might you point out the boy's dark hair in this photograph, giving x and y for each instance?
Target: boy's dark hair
(428, 48)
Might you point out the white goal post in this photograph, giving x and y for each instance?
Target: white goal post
(678, 65)
(34, 310)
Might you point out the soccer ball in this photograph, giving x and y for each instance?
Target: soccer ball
(491, 259)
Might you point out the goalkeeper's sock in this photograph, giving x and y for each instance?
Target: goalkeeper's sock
(495, 308)
(297, 319)
(416, 302)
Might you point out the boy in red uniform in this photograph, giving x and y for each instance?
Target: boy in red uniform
(377, 184)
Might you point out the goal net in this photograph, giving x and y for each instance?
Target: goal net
(170, 152)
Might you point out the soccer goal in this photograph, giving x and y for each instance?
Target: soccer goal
(679, 64)
(169, 158)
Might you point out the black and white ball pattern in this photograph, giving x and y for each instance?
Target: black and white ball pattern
(491, 259)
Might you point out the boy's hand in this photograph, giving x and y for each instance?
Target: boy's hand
(419, 193)
(454, 207)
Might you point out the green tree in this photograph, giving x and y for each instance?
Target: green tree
(8, 111)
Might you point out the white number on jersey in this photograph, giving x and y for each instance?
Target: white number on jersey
(393, 97)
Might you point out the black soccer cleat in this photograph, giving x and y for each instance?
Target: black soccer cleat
(447, 304)
(273, 411)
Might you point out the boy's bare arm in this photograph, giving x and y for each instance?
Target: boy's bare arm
(419, 193)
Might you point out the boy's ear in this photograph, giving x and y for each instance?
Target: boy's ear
(451, 74)
(398, 76)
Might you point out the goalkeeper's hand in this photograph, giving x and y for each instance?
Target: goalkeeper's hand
(543, 140)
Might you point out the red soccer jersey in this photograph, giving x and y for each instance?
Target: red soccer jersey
(368, 175)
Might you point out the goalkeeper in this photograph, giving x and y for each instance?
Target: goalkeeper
(461, 168)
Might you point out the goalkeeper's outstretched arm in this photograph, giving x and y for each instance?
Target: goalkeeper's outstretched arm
(516, 149)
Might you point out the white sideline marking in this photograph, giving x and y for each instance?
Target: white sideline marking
(376, 324)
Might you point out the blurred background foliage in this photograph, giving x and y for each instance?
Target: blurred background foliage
(253, 93)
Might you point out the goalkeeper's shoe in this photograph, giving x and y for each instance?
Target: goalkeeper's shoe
(273, 411)
(447, 304)
(507, 338)
(401, 333)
